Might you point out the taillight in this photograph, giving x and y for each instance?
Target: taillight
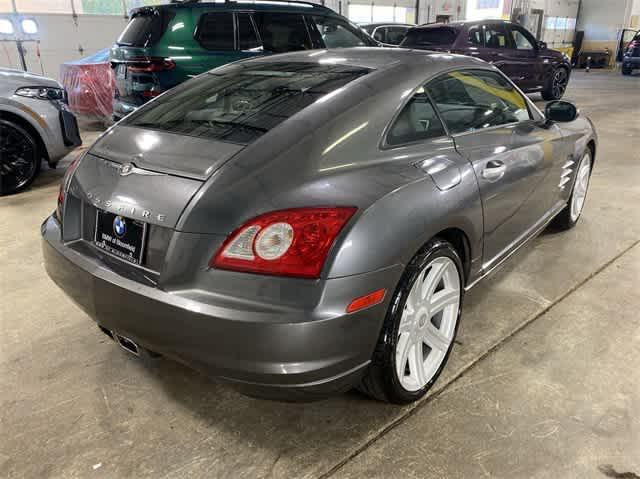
(150, 64)
(291, 242)
(64, 186)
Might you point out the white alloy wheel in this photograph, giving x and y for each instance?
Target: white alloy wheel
(580, 187)
(428, 324)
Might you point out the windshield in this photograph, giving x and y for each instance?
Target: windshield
(244, 103)
(423, 37)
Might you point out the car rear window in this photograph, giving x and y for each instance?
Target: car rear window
(424, 37)
(243, 103)
(145, 28)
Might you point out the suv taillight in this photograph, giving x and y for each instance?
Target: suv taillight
(150, 64)
(291, 242)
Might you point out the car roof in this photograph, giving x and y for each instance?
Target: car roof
(254, 5)
(374, 58)
(384, 24)
(463, 23)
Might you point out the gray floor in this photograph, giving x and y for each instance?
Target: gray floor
(545, 380)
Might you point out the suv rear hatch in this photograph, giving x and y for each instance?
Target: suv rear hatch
(437, 38)
(139, 74)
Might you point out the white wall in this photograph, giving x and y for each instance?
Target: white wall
(61, 39)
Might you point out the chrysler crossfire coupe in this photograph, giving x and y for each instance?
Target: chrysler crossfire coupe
(301, 224)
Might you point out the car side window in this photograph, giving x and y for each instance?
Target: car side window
(475, 36)
(282, 32)
(395, 35)
(247, 36)
(379, 34)
(417, 121)
(215, 31)
(471, 100)
(521, 40)
(495, 36)
(336, 33)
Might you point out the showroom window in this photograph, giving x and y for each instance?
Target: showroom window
(215, 31)
(369, 13)
(334, 33)
(282, 32)
(473, 100)
(247, 37)
(417, 121)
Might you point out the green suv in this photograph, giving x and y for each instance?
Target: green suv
(165, 45)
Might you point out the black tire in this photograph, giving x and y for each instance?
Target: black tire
(565, 220)
(20, 158)
(381, 380)
(556, 84)
(627, 70)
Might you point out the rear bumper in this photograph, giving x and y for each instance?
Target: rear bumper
(261, 353)
(633, 62)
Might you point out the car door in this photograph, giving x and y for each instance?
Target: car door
(527, 64)
(282, 32)
(215, 32)
(513, 153)
(498, 49)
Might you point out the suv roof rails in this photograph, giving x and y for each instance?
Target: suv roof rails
(271, 2)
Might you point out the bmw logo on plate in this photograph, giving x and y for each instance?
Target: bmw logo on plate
(119, 226)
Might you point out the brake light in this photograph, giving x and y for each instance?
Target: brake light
(292, 242)
(64, 186)
(150, 64)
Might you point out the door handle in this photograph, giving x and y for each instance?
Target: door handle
(494, 170)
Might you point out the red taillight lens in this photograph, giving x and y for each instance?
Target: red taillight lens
(64, 186)
(291, 242)
(150, 64)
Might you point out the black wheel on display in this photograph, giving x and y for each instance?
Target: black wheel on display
(556, 84)
(19, 158)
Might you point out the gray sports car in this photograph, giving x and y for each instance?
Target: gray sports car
(305, 223)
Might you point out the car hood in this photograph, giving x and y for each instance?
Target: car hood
(19, 78)
(169, 153)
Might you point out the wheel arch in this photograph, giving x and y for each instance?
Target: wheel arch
(460, 242)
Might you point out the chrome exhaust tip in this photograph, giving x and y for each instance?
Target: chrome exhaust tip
(127, 344)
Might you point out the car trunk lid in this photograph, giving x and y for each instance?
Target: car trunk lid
(165, 152)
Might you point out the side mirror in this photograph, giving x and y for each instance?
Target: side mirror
(542, 45)
(561, 111)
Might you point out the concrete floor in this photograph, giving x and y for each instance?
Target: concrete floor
(545, 380)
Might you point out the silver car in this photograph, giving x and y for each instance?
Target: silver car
(35, 125)
(304, 223)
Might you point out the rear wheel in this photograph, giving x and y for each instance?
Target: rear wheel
(556, 85)
(420, 326)
(19, 158)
